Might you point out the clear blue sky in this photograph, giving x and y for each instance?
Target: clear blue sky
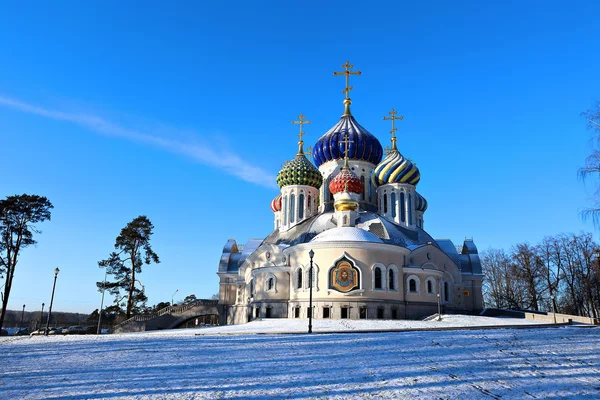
(182, 112)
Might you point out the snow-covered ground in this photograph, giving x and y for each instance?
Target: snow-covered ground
(510, 363)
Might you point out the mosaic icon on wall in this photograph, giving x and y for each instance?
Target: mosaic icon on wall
(344, 277)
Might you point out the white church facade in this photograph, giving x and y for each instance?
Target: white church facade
(359, 212)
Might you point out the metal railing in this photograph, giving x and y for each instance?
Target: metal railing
(174, 309)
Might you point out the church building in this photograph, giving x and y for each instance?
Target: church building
(355, 216)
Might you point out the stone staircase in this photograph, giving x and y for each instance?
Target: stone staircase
(170, 317)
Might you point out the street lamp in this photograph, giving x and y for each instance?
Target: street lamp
(311, 254)
(439, 318)
(41, 318)
(56, 271)
(22, 315)
(553, 307)
(173, 296)
(101, 303)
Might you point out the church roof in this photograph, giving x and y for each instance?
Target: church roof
(385, 230)
(346, 233)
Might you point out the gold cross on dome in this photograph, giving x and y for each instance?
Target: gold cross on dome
(346, 142)
(347, 73)
(393, 118)
(301, 121)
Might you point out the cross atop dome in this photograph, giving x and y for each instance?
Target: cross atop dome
(393, 118)
(301, 121)
(348, 88)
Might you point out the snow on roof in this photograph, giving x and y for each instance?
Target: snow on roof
(346, 234)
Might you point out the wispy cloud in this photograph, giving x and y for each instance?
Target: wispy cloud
(223, 159)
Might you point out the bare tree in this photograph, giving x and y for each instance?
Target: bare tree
(591, 167)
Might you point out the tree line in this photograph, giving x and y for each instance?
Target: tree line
(560, 273)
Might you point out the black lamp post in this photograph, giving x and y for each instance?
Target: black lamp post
(311, 254)
(56, 271)
(39, 325)
(439, 318)
(22, 315)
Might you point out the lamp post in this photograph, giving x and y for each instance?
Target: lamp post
(439, 318)
(553, 307)
(173, 296)
(41, 318)
(22, 315)
(311, 254)
(101, 303)
(56, 271)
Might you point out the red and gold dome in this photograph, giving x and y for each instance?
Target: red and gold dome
(276, 204)
(346, 180)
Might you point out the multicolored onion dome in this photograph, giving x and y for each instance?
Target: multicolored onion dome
(346, 180)
(363, 145)
(299, 171)
(396, 168)
(420, 202)
(276, 204)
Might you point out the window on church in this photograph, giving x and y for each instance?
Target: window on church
(256, 312)
(384, 203)
(402, 208)
(393, 205)
(380, 313)
(292, 208)
(309, 205)
(378, 283)
(345, 220)
(344, 312)
(410, 220)
(429, 287)
(326, 312)
(301, 207)
(270, 283)
(299, 279)
(391, 280)
(268, 312)
(394, 313)
(446, 295)
(251, 287)
(412, 286)
(285, 210)
(362, 313)
(362, 181)
(296, 312)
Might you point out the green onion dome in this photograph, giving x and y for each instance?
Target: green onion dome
(299, 171)
(396, 168)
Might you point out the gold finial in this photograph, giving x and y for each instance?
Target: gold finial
(347, 146)
(347, 73)
(301, 121)
(393, 118)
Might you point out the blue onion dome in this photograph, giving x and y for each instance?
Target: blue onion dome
(396, 168)
(420, 202)
(362, 144)
(299, 171)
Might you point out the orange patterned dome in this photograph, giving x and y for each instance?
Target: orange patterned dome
(346, 180)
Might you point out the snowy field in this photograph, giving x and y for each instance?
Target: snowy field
(467, 364)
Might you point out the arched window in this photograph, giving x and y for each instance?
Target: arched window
(412, 286)
(393, 204)
(369, 189)
(410, 221)
(385, 201)
(301, 207)
(345, 220)
(299, 278)
(391, 280)
(378, 280)
(270, 283)
(402, 208)
(292, 208)
(429, 286)
(285, 210)
(309, 205)
(446, 294)
(251, 287)
(362, 181)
